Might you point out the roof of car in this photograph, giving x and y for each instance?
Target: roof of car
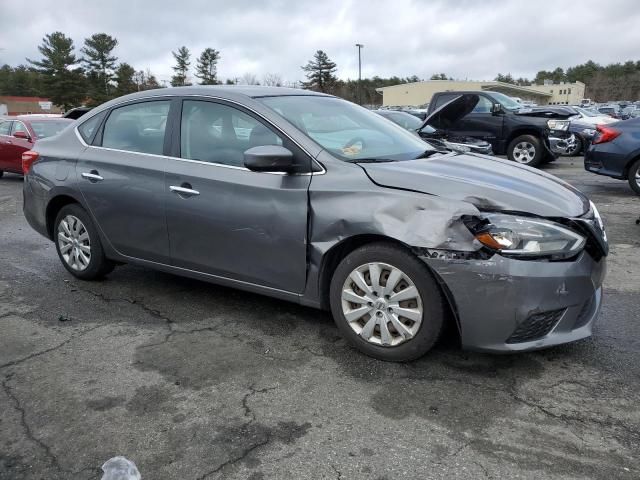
(229, 92)
(32, 117)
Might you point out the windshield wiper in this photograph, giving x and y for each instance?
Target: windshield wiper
(427, 153)
(372, 160)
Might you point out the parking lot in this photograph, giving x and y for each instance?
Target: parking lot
(191, 380)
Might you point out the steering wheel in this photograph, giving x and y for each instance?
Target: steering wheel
(353, 146)
(353, 141)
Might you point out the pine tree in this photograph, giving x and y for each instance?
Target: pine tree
(124, 79)
(206, 67)
(320, 73)
(182, 67)
(62, 83)
(100, 65)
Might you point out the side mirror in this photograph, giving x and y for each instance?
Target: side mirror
(23, 135)
(268, 158)
(496, 108)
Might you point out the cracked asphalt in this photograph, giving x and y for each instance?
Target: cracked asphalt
(195, 381)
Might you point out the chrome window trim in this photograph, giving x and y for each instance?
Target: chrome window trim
(321, 172)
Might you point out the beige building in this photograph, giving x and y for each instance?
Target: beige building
(419, 93)
(563, 93)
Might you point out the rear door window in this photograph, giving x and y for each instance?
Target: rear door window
(5, 128)
(137, 128)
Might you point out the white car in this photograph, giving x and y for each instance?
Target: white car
(592, 117)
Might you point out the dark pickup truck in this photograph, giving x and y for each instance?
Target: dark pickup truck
(530, 136)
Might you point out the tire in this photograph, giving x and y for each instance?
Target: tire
(577, 149)
(70, 236)
(427, 308)
(1, 173)
(526, 150)
(634, 176)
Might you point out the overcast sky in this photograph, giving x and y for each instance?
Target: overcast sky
(462, 38)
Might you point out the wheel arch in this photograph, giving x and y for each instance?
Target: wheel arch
(53, 208)
(335, 254)
(523, 131)
(634, 157)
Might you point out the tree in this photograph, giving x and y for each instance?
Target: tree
(206, 67)
(272, 80)
(182, 58)
(438, 76)
(249, 79)
(320, 73)
(63, 84)
(124, 78)
(145, 80)
(505, 78)
(100, 65)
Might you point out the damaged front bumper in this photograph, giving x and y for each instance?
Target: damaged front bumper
(506, 305)
(562, 143)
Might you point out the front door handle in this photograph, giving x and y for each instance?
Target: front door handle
(92, 176)
(184, 190)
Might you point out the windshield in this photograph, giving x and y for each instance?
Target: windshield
(348, 131)
(49, 128)
(507, 102)
(405, 120)
(587, 113)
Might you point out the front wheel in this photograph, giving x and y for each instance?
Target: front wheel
(526, 150)
(78, 244)
(577, 148)
(386, 303)
(634, 177)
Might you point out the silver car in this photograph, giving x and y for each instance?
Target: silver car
(309, 198)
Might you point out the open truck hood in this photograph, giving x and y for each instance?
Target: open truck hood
(448, 114)
(486, 182)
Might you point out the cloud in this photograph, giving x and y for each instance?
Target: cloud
(462, 38)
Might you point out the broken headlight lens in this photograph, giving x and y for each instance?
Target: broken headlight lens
(562, 125)
(527, 237)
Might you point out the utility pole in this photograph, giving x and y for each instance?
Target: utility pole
(360, 46)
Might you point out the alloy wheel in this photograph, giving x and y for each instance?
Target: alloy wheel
(524, 152)
(74, 243)
(382, 304)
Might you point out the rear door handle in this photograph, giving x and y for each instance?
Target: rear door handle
(184, 190)
(92, 176)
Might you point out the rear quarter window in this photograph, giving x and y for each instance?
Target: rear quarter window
(88, 129)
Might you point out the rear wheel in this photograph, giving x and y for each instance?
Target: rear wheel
(386, 303)
(78, 244)
(526, 149)
(1, 173)
(634, 176)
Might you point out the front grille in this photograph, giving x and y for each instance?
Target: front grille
(536, 326)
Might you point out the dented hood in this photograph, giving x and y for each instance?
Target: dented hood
(448, 114)
(488, 183)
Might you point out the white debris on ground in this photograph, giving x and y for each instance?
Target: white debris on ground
(119, 468)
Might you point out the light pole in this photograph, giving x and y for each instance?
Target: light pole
(360, 47)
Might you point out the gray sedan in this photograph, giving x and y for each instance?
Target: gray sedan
(309, 198)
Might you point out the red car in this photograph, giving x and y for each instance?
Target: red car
(19, 134)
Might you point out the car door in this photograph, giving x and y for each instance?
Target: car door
(5, 143)
(224, 219)
(481, 123)
(121, 176)
(18, 145)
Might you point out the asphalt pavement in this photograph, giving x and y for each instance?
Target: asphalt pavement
(193, 381)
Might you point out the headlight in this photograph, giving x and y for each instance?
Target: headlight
(456, 147)
(562, 125)
(527, 237)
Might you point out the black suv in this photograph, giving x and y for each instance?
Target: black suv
(530, 136)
